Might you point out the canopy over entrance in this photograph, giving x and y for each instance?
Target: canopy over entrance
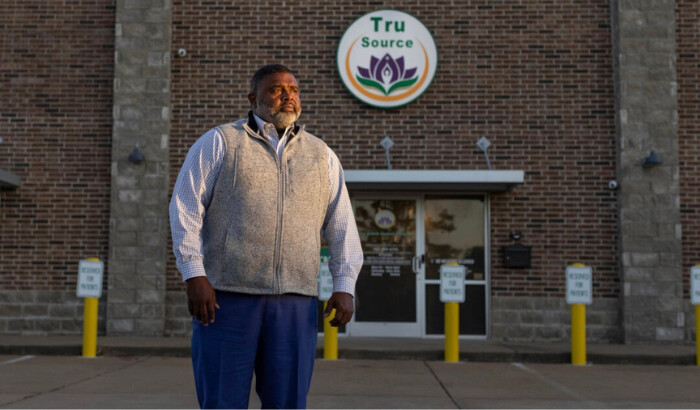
(434, 180)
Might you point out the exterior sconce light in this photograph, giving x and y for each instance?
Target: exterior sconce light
(136, 157)
(652, 160)
(484, 145)
(387, 143)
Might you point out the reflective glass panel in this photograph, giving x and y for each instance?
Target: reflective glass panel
(454, 232)
(472, 313)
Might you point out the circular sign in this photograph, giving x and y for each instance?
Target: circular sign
(387, 58)
(385, 219)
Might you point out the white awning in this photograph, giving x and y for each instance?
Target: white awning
(433, 180)
(8, 180)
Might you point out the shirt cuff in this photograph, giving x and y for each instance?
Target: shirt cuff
(191, 269)
(344, 284)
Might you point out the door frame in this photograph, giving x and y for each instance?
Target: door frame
(487, 263)
(397, 329)
(388, 329)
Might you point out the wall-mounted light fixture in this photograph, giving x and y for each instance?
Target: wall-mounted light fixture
(136, 157)
(484, 145)
(387, 143)
(652, 160)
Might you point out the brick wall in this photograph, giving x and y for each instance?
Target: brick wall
(688, 77)
(56, 70)
(688, 64)
(535, 77)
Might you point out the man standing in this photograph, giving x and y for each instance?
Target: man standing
(248, 209)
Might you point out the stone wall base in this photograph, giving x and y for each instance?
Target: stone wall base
(45, 312)
(530, 319)
(523, 319)
(178, 322)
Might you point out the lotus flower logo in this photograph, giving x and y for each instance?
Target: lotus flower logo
(386, 74)
(385, 219)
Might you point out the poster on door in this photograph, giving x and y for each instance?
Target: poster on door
(387, 231)
(386, 288)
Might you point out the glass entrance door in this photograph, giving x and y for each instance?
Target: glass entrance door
(405, 240)
(387, 294)
(455, 231)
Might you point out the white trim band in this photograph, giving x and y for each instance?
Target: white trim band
(434, 180)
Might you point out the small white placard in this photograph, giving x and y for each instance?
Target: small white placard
(579, 285)
(90, 279)
(325, 283)
(695, 285)
(452, 283)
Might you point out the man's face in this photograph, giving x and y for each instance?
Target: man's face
(277, 100)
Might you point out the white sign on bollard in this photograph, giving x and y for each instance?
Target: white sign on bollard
(90, 279)
(695, 285)
(325, 283)
(452, 283)
(579, 285)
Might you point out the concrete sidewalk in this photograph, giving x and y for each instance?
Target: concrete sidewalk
(167, 382)
(373, 349)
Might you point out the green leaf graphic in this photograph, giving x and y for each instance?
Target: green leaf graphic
(371, 83)
(402, 84)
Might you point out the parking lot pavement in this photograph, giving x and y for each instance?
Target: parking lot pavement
(102, 382)
(517, 385)
(162, 382)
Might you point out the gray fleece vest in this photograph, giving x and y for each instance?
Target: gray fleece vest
(262, 230)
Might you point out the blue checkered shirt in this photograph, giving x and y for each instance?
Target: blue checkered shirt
(194, 188)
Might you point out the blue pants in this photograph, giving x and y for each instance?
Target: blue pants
(271, 335)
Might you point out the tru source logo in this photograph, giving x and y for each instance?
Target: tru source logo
(387, 58)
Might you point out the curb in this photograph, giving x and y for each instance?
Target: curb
(362, 354)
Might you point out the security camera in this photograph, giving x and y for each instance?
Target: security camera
(181, 52)
(613, 185)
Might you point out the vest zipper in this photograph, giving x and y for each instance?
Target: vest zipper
(280, 208)
(280, 222)
(282, 169)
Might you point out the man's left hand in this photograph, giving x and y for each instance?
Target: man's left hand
(342, 303)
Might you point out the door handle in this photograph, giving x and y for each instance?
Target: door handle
(417, 262)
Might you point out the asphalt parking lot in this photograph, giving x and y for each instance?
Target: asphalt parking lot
(166, 382)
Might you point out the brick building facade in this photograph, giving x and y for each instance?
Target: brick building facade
(573, 93)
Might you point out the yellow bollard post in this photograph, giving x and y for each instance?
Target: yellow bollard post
(90, 328)
(452, 332)
(695, 291)
(330, 337)
(578, 334)
(697, 335)
(90, 324)
(578, 330)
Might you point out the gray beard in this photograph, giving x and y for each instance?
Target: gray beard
(281, 120)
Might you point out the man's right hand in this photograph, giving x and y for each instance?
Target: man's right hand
(201, 299)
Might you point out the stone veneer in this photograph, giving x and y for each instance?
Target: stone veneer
(549, 319)
(139, 213)
(644, 48)
(44, 312)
